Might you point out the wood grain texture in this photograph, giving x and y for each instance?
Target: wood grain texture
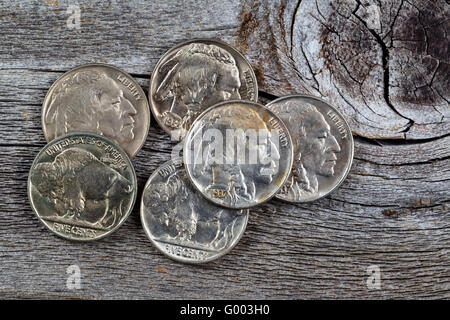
(389, 77)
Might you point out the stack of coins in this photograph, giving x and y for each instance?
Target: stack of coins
(237, 154)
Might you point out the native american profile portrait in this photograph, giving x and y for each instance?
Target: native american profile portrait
(91, 101)
(195, 78)
(315, 148)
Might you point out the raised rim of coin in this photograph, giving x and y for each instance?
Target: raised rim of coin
(231, 49)
(101, 138)
(179, 162)
(131, 151)
(352, 144)
(284, 176)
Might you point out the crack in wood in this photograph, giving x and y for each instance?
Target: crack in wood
(385, 60)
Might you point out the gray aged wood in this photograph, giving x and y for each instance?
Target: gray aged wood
(389, 76)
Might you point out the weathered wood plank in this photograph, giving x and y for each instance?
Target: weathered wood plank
(384, 64)
(392, 211)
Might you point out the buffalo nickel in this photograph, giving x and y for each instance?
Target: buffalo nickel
(184, 225)
(195, 75)
(82, 186)
(323, 147)
(238, 154)
(98, 98)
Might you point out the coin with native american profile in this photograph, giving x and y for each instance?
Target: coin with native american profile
(323, 147)
(181, 223)
(238, 154)
(195, 75)
(98, 98)
(82, 186)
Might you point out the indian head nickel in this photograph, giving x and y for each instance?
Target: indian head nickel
(98, 98)
(82, 186)
(195, 75)
(238, 154)
(323, 147)
(181, 223)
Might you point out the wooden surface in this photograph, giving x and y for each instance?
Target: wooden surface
(390, 77)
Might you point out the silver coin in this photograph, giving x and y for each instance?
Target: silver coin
(195, 75)
(98, 98)
(82, 186)
(238, 154)
(181, 223)
(323, 147)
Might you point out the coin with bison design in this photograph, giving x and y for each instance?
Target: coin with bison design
(181, 223)
(82, 186)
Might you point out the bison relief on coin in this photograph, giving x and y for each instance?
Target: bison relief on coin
(82, 187)
(323, 147)
(238, 154)
(184, 225)
(100, 99)
(194, 76)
